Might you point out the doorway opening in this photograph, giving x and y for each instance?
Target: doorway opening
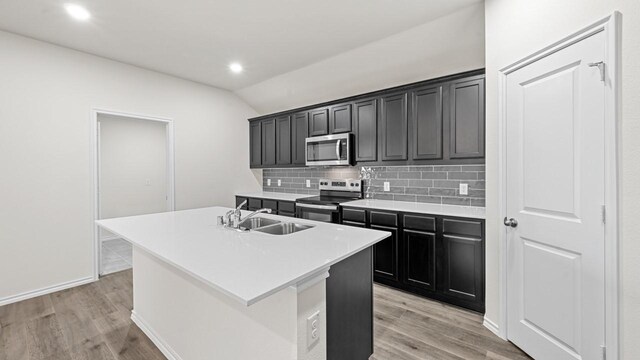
(133, 175)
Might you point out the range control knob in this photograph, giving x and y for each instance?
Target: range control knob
(357, 184)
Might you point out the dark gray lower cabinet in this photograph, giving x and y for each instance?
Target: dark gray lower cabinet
(420, 259)
(278, 207)
(431, 255)
(349, 290)
(385, 255)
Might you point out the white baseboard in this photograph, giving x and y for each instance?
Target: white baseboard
(44, 291)
(166, 350)
(493, 327)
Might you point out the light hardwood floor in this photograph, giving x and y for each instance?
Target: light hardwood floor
(91, 322)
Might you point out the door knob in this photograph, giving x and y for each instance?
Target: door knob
(510, 222)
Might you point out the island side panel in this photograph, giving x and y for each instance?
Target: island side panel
(187, 319)
(350, 308)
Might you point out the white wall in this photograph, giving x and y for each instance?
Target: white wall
(448, 45)
(517, 28)
(133, 166)
(46, 97)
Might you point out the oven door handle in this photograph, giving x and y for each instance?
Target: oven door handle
(320, 207)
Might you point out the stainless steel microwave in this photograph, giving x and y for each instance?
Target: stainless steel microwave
(329, 150)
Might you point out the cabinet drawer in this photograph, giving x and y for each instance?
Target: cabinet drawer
(287, 207)
(284, 213)
(270, 204)
(383, 218)
(240, 200)
(422, 223)
(353, 223)
(354, 215)
(462, 227)
(255, 204)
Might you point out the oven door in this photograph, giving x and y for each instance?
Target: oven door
(324, 213)
(329, 150)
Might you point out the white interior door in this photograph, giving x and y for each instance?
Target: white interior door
(555, 193)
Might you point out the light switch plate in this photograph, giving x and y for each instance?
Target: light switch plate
(268, 182)
(464, 189)
(313, 328)
(308, 183)
(279, 182)
(387, 186)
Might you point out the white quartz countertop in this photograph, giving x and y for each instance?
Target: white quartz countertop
(247, 266)
(273, 195)
(474, 212)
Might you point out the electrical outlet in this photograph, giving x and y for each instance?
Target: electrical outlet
(268, 182)
(313, 328)
(308, 183)
(387, 186)
(464, 189)
(279, 182)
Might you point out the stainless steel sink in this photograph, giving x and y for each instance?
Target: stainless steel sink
(257, 222)
(283, 228)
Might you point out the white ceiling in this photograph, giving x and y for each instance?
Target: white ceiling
(197, 39)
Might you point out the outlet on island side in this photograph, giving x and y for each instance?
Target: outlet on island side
(387, 186)
(313, 331)
(464, 189)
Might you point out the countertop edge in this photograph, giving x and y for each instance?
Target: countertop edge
(417, 211)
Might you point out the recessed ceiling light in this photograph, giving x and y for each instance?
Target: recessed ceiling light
(77, 12)
(235, 67)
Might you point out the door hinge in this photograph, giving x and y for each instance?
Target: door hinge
(604, 214)
(601, 66)
(604, 352)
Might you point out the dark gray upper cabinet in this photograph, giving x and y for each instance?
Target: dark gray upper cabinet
(319, 122)
(340, 118)
(268, 142)
(255, 143)
(365, 124)
(283, 140)
(438, 121)
(393, 127)
(426, 123)
(299, 133)
(466, 119)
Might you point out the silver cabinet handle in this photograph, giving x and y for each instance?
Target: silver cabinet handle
(314, 206)
(510, 222)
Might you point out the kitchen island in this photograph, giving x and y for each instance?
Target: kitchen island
(205, 292)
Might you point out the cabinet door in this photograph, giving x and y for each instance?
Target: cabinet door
(255, 144)
(268, 142)
(340, 118)
(385, 255)
(283, 140)
(318, 122)
(393, 127)
(466, 119)
(300, 132)
(420, 259)
(426, 122)
(462, 264)
(254, 204)
(240, 200)
(365, 123)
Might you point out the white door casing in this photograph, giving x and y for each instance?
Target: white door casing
(555, 189)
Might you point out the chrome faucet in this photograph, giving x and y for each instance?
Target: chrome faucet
(263, 210)
(232, 217)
